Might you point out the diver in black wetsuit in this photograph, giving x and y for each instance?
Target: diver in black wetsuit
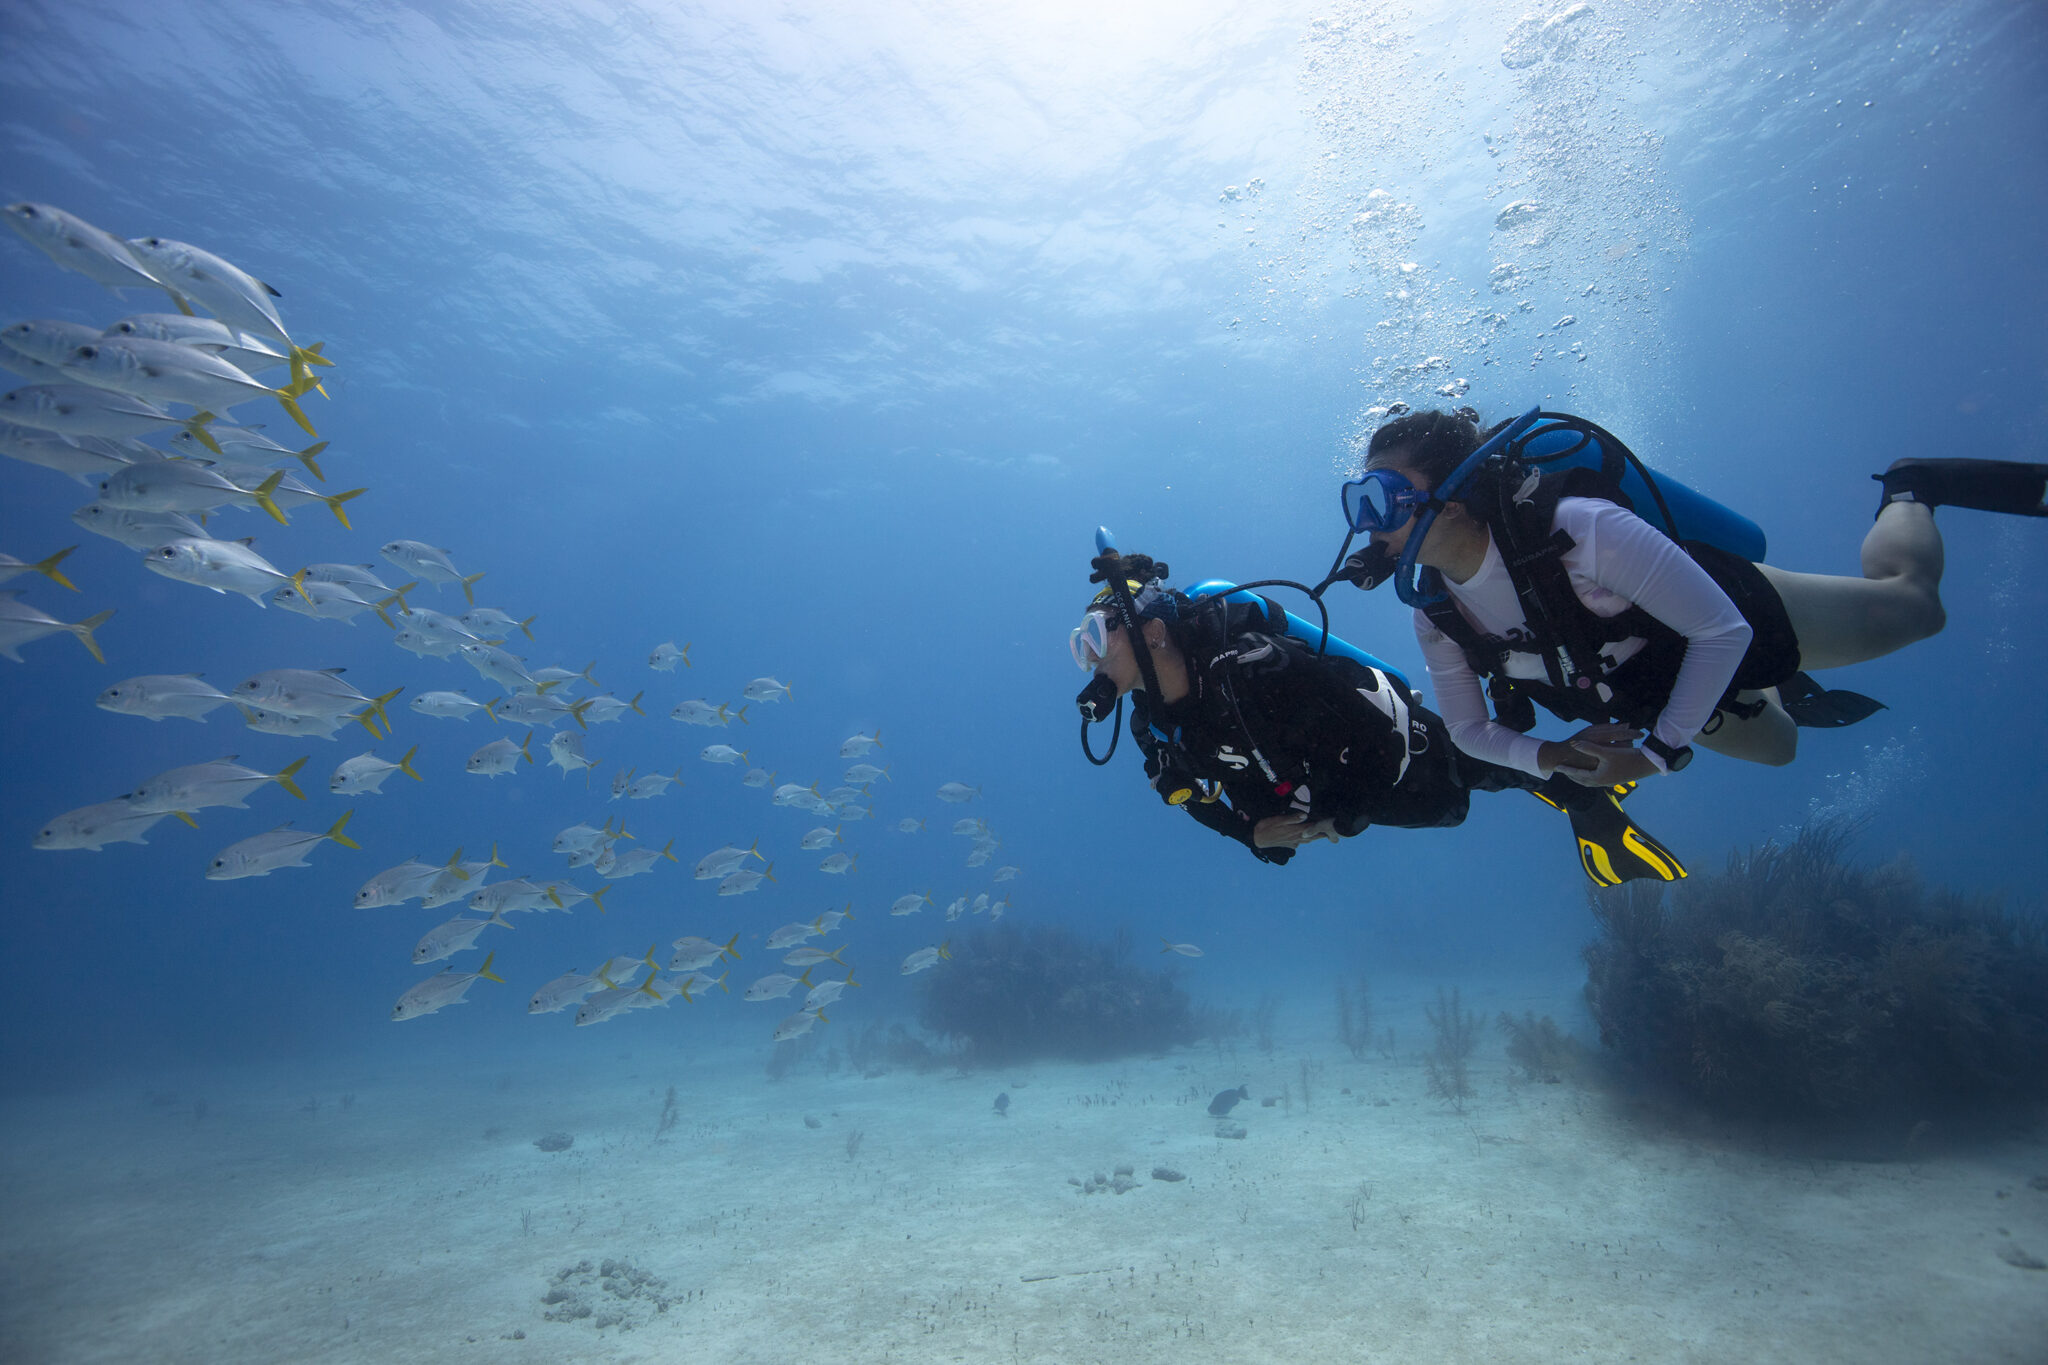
(1265, 740)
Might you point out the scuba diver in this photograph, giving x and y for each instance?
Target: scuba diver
(1543, 558)
(1274, 741)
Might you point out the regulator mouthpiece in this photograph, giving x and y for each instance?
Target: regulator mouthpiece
(1097, 699)
(1370, 567)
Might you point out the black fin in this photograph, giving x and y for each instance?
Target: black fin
(1982, 485)
(1816, 707)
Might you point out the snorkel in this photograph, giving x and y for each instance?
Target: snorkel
(1095, 699)
(1418, 586)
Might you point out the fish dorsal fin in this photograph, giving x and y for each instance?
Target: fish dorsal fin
(334, 671)
(248, 542)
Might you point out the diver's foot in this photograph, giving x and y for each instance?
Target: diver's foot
(1985, 485)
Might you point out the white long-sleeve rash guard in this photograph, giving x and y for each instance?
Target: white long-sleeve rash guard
(1617, 560)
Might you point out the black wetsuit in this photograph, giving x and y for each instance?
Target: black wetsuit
(1284, 731)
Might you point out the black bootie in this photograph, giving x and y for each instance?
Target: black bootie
(1985, 485)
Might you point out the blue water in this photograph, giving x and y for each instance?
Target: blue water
(823, 341)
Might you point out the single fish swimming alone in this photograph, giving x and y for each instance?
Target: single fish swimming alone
(1184, 949)
(1007, 873)
(666, 656)
(958, 792)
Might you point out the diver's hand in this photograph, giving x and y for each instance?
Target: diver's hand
(1606, 756)
(1291, 831)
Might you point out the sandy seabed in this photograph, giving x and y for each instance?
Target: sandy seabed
(1362, 1220)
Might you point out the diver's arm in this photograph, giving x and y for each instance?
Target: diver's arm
(1462, 703)
(1629, 557)
(1233, 824)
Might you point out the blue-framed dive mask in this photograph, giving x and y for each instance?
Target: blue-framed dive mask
(1089, 641)
(1380, 500)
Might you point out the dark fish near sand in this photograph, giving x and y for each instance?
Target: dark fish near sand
(1227, 1100)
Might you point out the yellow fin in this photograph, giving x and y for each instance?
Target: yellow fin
(527, 626)
(597, 897)
(186, 816)
(84, 629)
(298, 414)
(264, 499)
(306, 458)
(405, 764)
(525, 748)
(48, 569)
(486, 972)
(335, 500)
(469, 587)
(377, 704)
(334, 831)
(284, 779)
(635, 704)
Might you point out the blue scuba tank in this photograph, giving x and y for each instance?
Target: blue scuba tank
(1307, 632)
(1671, 506)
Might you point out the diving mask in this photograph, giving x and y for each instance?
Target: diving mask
(1089, 641)
(1381, 500)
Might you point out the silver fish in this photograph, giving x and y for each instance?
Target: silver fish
(232, 294)
(222, 565)
(265, 853)
(94, 827)
(776, 985)
(838, 864)
(48, 340)
(310, 692)
(77, 245)
(722, 861)
(765, 689)
(439, 992)
(1007, 873)
(860, 774)
(692, 953)
(83, 410)
(430, 564)
(925, 958)
(958, 792)
(796, 1025)
(907, 825)
(741, 882)
(137, 530)
(160, 696)
(197, 786)
(21, 623)
(565, 990)
(820, 838)
(857, 745)
(450, 706)
(789, 935)
(700, 712)
(165, 372)
(598, 710)
(635, 861)
(722, 753)
(301, 727)
(757, 777)
(366, 773)
(455, 936)
(501, 756)
(666, 656)
(407, 881)
(653, 785)
(811, 957)
(911, 904)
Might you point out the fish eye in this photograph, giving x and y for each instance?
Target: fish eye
(88, 352)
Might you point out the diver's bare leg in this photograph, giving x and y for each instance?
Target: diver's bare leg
(1897, 601)
(1768, 737)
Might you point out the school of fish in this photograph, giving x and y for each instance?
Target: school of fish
(96, 402)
